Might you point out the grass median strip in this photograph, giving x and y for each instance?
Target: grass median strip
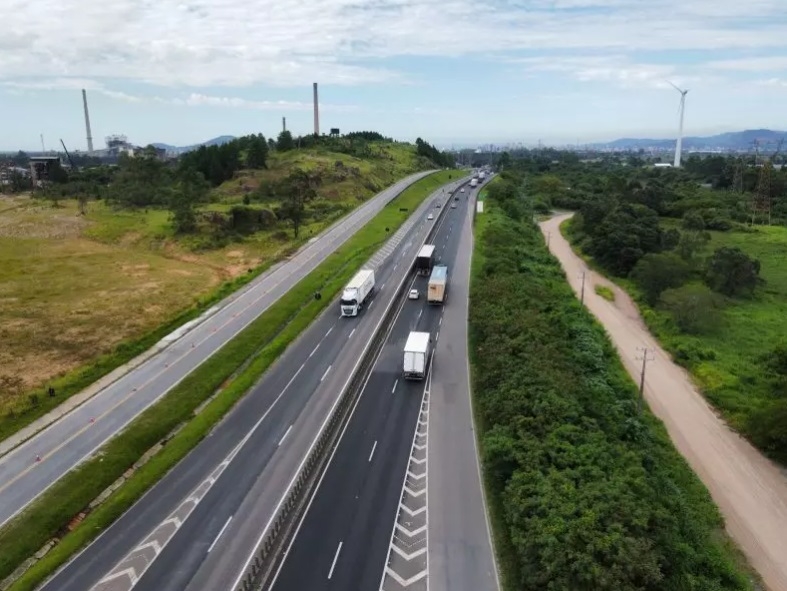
(253, 350)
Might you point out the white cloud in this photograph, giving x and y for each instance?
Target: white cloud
(755, 64)
(192, 100)
(201, 43)
(615, 69)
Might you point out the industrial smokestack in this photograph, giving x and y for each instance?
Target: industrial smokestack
(284, 124)
(87, 124)
(316, 112)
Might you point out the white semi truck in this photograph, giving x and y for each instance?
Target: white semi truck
(482, 175)
(416, 355)
(356, 292)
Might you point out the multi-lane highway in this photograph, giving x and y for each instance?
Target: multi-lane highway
(36, 464)
(196, 528)
(377, 479)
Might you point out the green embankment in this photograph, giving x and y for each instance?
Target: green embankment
(251, 352)
(585, 488)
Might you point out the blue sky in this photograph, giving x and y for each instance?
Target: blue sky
(451, 71)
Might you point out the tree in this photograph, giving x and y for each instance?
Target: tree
(140, 182)
(192, 189)
(693, 220)
(690, 243)
(732, 272)
(299, 190)
(256, 152)
(284, 142)
(656, 272)
(694, 308)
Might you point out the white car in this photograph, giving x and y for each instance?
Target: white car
(430, 216)
(413, 295)
(462, 190)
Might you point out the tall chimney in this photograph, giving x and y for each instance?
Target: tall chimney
(87, 124)
(284, 124)
(316, 112)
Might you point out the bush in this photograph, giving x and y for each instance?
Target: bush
(694, 308)
(589, 492)
(732, 272)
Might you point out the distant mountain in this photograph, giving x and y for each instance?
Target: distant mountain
(216, 141)
(733, 142)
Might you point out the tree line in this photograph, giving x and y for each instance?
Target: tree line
(586, 486)
(652, 227)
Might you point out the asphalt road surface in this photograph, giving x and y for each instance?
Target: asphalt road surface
(750, 490)
(343, 541)
(248, 459)
(31, 468)
(461, 556)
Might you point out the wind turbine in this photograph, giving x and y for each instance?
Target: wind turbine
(679, 144)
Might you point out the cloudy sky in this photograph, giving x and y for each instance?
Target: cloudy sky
(452, 71)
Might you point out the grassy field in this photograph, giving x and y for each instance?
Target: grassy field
(80, 295)
(728, 365)
(254, 349)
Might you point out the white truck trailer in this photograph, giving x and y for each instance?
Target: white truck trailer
(356, 292)
(474, 182)
(416, 355)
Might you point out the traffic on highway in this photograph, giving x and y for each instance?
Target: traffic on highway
(226, 490)
(343, 540)
(32, 467)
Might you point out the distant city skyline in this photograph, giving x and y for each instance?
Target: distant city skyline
(563, 71)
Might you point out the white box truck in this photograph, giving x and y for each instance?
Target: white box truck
(356, 292)
(416, 355)
(474, 183)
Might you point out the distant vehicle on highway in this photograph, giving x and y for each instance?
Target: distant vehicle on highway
(357, 292)
(462, 190)
(416, 355)
(413, 295)
(438, 205)
(430, 216)
(453, 206)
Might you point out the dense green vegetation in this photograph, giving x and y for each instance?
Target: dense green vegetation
(183, 185)
(586, 489)
(229, 373)
(710, 283)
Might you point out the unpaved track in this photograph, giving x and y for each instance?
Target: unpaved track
(750, 490)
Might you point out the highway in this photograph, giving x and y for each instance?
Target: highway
(244, 466)
(344, 539)
(32, 467)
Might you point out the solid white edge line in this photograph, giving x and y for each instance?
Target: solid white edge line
(479, 468)
(372, 452)
(287, 432)
(216, 539)
(335, 558)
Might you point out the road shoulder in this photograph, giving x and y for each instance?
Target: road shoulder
(461, 556)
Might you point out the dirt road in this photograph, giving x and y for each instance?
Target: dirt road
(750, 490)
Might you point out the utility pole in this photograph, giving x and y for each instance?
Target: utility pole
(646, 354)
(549, 235)
(582, 292)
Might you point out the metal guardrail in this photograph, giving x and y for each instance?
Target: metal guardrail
(268, 554)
